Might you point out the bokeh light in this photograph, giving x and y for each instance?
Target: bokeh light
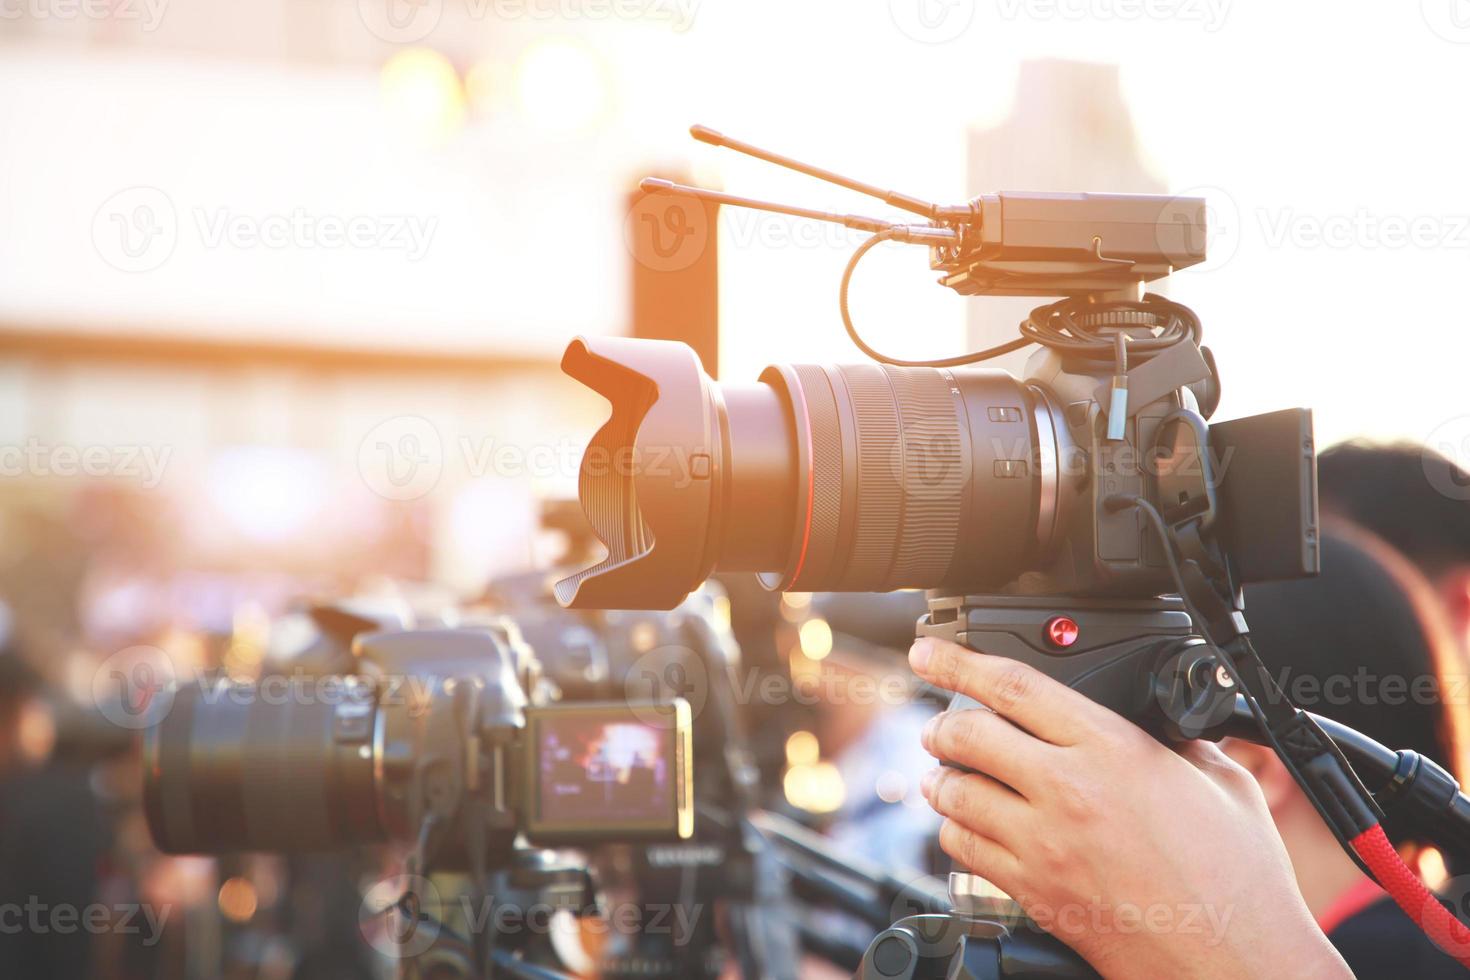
(817, 788)
(816, 638)
(422, 94)
(562, 86)
(802, 749)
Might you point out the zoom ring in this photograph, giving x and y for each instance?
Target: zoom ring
(888, 476)
(933, 474)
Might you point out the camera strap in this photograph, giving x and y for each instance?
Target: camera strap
(1348, 809)
(1314, 760)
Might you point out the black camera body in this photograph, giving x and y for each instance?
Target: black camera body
(1048, 516)
(1051, 244)
(1074, 518)
(450, 729)
(874, 477)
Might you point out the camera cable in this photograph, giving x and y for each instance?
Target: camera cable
(1316, 763)
(1074, 327)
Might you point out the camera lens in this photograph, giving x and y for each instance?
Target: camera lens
(285, 766)
(823, 478)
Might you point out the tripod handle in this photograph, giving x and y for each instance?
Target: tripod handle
(960, 947)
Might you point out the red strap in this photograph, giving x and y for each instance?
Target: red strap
(1438, 923)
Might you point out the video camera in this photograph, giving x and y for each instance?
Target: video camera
(1083, 518)
(483, 739)
(448, 728)
(1040, 512)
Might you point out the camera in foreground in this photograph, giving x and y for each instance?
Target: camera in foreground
(938, 474)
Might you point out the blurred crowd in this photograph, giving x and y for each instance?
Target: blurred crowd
(1378, 641)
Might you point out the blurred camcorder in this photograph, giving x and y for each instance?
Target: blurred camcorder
(444, 728)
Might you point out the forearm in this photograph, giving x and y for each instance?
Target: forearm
(1285, 944)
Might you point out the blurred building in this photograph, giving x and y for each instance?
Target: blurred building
(1069, 129)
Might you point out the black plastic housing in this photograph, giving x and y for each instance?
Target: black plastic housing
(873, 477)
(1043, 244)
(665, 816)
(1267, 469)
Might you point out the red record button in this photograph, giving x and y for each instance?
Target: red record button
(1061, 631)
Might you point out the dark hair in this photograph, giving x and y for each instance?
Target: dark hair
(1365, 643)
(1407, 494)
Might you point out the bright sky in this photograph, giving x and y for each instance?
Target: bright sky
(1329, 138)
(1320, 132)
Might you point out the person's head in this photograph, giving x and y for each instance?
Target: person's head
(1414, 499)
(1364, 643)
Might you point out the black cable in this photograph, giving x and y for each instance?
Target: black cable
(1079, 327)
(1156, 521)
(862, 345)
(1055, 325)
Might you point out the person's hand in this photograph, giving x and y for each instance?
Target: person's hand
(1149, 861)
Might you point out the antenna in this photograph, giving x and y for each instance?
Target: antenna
(1003, 244)
(1081, 246)
(935, 212)
(923, 234)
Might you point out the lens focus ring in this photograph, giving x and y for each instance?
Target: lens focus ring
(889, 475)
(933, 471)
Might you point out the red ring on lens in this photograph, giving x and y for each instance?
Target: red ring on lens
(811, 480)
